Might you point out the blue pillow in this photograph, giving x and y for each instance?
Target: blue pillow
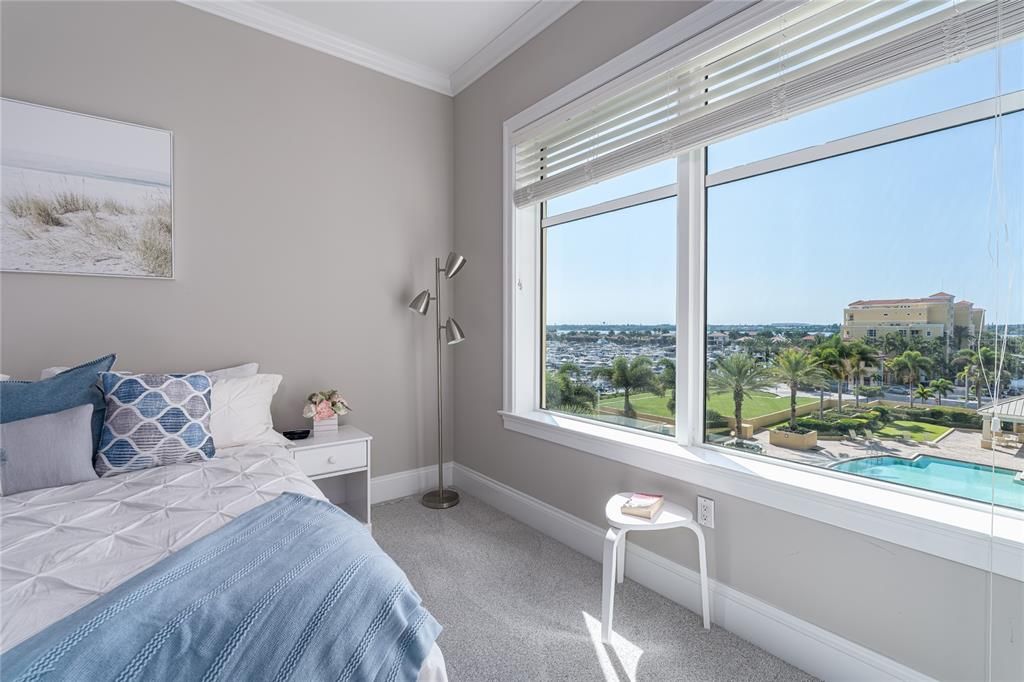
(154, 420)
(71, 388)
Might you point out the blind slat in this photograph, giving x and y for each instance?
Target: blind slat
(837, 48)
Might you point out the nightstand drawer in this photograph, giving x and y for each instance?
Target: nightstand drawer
(331, 458)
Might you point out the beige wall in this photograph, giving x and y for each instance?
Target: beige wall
(291, 166)
(925, 612)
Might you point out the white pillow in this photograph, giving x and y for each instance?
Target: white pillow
(240, 412)
(247, 370)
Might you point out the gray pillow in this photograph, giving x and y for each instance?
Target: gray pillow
(46, 451)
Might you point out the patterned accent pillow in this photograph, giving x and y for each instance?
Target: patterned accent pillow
(154, 420)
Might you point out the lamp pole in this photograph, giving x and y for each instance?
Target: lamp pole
(440, 498)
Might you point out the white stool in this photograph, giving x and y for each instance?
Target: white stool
(671, 516)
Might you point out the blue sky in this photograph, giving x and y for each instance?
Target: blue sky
(902, 220)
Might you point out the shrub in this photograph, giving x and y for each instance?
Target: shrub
(154, 246)
(115, 207)
(20, 206)
(870, 391)
(938, 416)
(35, 208)
(714, 420)
(815, 424)
(72, 202)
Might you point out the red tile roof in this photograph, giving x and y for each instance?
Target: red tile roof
(934, 298)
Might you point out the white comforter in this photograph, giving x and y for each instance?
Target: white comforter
(61, 548)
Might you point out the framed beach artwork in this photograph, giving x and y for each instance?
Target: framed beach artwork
(83, 195)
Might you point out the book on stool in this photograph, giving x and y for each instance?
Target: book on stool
(643, 505)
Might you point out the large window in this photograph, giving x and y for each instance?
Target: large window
(792, 252)
(854, 262)
(854, 288)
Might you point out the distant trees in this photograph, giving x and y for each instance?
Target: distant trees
(564, 389)
(796, 366)
(909, 365)
(739, 375)
(668, 382)
(834, 355)
(941, 388)
(631, 376)
(861, 359)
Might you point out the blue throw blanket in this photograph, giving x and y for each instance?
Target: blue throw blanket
(294, 589)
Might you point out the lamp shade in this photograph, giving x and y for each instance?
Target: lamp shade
(421, 304)
(453, 332)
(453, 264)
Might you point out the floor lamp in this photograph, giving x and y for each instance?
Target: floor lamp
(442, 498)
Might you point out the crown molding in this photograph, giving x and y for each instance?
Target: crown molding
(282, 25)
(534, 20)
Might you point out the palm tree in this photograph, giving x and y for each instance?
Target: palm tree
(668, 381)
(862, 357)
(975, 365)
(924, 393)
(797, 366)
(565, 391)
(910, 364)
(739, 375)
(829, 359)
(836, 355)
(970, 374)
(941, 388)
(632, 376)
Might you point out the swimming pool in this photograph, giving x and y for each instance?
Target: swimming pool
(949, 476)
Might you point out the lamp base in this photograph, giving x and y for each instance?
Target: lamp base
(440, 499)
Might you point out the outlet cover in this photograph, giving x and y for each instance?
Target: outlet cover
(706, 512)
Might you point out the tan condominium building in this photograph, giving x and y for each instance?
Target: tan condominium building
(936, 317)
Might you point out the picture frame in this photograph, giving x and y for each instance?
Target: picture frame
(84, 195)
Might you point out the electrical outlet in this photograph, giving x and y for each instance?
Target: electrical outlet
(706, 512)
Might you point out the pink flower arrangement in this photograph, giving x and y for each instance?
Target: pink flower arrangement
(324, 411)
(325, 405)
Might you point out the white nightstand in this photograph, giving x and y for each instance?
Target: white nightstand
(339, 462)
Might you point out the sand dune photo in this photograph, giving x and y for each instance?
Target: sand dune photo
(84, 195)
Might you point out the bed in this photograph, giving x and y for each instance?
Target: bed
(63, 548)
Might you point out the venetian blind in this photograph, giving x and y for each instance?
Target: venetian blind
(820, 51)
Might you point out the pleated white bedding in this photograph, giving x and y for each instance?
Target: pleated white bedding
(60, 548)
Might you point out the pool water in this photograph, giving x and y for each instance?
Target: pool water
(962, 479)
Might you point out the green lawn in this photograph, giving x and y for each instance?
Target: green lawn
(759, 404)
(755, 406)
(643, 403)
(918, 431)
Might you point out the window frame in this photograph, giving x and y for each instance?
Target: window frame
(610, 206)
(979, 535)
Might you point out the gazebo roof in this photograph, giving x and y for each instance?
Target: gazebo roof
(1008, 410)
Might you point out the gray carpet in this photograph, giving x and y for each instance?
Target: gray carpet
(517, 605)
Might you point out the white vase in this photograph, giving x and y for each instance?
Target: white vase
(329, 424)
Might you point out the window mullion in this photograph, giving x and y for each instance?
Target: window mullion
(690, 287)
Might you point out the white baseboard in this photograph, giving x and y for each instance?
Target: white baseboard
(405, 483)
(817, 651)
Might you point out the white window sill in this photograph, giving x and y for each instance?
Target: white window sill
(965, 532)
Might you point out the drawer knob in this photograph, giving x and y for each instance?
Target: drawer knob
(332, 460)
